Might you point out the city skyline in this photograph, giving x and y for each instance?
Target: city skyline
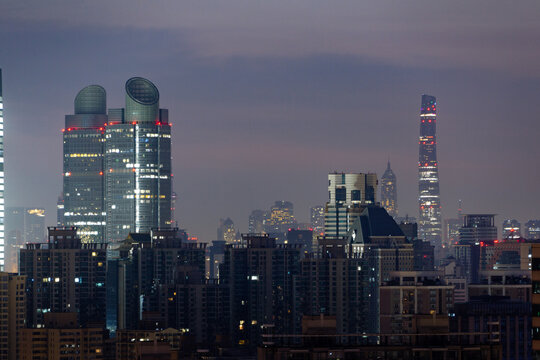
(231, 104)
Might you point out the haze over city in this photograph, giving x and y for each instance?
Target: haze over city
(266, 98)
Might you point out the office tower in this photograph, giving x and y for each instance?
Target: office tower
(2, 241)
(256, 222)
(12, 313)
(531, 230)
(377, 234)
(261, 277)
(23, 225)
(317, 220)
(62, 338)
(226, 231)
(511, 229)
(349, 194)
(60, 220)
(65, 275)
(477, 229)
(389, 191)
(280, 218)
(137, 164)
(477, 232)
(429, 224)
(84, 144)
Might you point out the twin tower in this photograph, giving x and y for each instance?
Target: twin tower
(117, 164)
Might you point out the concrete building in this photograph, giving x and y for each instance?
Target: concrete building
(12, 313)
(65, 275)
(61, 338)
(510, 318)
(317, 220)
(415, 302)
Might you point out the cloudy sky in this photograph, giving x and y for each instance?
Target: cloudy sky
(267, 97)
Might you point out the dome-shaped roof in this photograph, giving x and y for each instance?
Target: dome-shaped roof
(91, 100)
(142, 91)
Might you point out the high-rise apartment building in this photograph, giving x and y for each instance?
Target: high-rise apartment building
(137, 164)
(389, 192)
(84, 144)
(429, 224)
(349, 194)
(65, 275)
(23, 225)
(2, 241)
(261, 276)
(12, 313)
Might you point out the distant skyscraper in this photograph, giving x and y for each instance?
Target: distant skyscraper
(84, 144)
(531, 230)
(138, 163)
(317, 220)
(2, 243)
(226, 231)
(256, 222)
(280, 218)
(511, 229)
(349, 194)
(429, 225)
(60, 221)
(23, 225)
(389, 191)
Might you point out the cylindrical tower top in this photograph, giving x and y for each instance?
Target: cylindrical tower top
(91, 100)
(142, 100)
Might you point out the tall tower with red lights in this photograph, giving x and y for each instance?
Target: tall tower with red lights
(429, 222)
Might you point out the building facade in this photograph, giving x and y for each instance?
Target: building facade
(84, 144)
(348, 194)
(389, 192)
(429, 224)
(2, 235)
(12, 313)
(23, 225)
(137, 171)
(65, 275)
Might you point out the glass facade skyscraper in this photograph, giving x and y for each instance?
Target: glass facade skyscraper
(2, 237)
(138, 163)
(84, 144)
(429, 224)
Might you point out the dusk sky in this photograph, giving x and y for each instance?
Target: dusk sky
(267, 97)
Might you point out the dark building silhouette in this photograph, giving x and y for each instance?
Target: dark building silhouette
(65, 275)
(429, 220)
(261, 277)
